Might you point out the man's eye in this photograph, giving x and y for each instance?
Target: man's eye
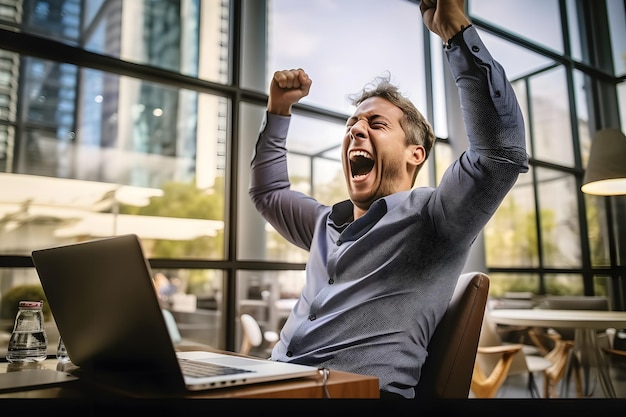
(379, 125)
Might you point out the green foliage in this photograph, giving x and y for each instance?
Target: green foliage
(9, 303)
(185, 200)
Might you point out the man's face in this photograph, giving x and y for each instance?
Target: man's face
(376, 160)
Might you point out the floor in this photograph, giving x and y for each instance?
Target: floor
(516, 386)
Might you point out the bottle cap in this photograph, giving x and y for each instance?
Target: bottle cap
(31, 304)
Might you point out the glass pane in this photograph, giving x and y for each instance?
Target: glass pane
(328, 181)
(7, 143)
(511, 234)
(582, 110)
(49, 95)
(312, 136)
(597, 230)
(516, 61)
(195, 298)
(268, 296)
(573, 22)
(440, 118)
(605, 285)
(443, 159)
(520, 88)
(602, 286)
(188, 37)
(55, 19)
(424, 176)
(621, 95)
(564, 284)
(536, 20)
(122, 156)
(618, 223)
(9, 71)
(551, 116)
(330, 42)
(558, 217)
(500, 284)
(299, 167)
(617, 26)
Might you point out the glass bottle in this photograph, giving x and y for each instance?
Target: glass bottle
(62, 355)
(28, 342)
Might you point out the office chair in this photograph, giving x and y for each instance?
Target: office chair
(447, 372)
(253, 336)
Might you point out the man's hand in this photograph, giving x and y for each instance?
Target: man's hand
(286, 89)
(444, 17)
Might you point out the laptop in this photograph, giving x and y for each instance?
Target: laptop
(105, 305)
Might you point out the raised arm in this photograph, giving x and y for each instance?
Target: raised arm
(475, 185)
(291, 213)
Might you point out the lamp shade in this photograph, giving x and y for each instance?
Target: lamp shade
(606, 168)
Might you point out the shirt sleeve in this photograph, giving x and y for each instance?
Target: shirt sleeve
(492, 116)
(291, 213)
(476, 184)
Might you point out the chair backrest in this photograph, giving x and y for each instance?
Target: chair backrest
(574, 302)
(252, 336)
(172, 327)
(447, 372)
(489, 336)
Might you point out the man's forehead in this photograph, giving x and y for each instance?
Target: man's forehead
(376, 106)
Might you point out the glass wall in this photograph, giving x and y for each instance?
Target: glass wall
(141, 117)
(567, 78)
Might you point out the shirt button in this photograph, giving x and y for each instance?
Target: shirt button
(312, 317)
(339, 242)
(289, 354)
(331, 281)
(475, 48)
(497, 94)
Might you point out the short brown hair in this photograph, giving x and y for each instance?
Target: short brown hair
(417, 129)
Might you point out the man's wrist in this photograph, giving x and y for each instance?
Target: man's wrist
(455, 39)
(278, 109)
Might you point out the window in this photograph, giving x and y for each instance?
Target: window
(141, 117)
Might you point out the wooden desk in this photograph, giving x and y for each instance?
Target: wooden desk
(585, 323)
(339, 385)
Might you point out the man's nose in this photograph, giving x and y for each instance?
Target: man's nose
(359, 130)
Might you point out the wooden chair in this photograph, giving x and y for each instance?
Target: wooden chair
(573, 367)
(447, 372)
(557, 350)
(497, 360)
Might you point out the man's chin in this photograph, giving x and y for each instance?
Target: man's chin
(361, 200)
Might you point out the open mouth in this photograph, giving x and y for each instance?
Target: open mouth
(361, 163)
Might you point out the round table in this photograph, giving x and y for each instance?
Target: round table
(585, 322)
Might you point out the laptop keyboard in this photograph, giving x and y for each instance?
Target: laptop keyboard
(199, 369)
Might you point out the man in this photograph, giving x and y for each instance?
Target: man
(383, 264)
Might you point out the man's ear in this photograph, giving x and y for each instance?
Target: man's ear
(417, 155)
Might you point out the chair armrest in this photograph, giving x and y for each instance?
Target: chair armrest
(616, 352)
(512, 348)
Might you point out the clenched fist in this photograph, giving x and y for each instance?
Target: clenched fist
(286, 89)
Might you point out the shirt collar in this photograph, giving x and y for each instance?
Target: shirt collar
(342, 213)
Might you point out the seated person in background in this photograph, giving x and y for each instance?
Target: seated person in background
(383, 265)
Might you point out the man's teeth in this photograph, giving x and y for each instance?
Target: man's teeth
(363, 154)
